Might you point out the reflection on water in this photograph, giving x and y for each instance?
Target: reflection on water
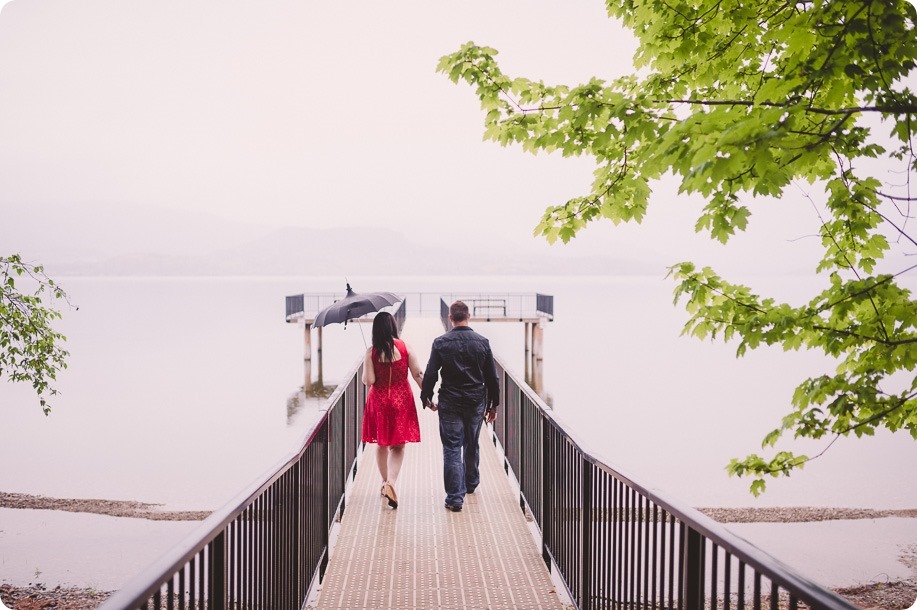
(534, 377)
(840, 553)
(82, 550)
(307, 402)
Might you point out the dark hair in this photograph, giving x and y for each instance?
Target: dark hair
(384, 334)
(458, 311)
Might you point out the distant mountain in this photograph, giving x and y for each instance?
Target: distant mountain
(74, 235)
(146, 241)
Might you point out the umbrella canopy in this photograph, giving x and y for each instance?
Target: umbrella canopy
(353, 306)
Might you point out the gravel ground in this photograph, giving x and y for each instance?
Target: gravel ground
(898, 595)
(799, 514)
(37, 597)
(113, 508)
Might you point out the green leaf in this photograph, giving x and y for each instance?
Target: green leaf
(737, 105)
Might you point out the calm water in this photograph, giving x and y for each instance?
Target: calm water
(178, 391)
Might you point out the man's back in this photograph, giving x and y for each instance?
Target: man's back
(465, 360)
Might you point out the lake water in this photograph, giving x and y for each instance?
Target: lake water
(177, 392)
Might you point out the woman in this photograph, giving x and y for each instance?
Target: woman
(390, 417)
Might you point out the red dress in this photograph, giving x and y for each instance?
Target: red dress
(390, 417)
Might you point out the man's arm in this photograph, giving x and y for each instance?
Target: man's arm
(430, 376)
(491, 382)
(369, 373)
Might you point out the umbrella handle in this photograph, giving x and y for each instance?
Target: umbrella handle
(361, 332)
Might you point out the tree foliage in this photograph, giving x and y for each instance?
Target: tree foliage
(30, 349)
(741, 101)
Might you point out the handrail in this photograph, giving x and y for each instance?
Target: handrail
(297, 306)
(615, 541)
(606, 531)
(400, 315)
(500, 306)
(264, 547)
(444, 315)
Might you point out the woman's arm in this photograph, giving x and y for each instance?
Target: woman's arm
(369, 373)
(414, 366)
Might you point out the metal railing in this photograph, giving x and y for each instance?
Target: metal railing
(616, 543)
(400, 315)
(264, 548)
(295, 304)
(300, 306)
(544, 303)
(307, 305)
(444, 315)
(500, 306)
(505, 305)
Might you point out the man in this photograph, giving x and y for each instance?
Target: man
(469, 394)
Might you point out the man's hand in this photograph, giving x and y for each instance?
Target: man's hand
(432, 406)
(490, 415)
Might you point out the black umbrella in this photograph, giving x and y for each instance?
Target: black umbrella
(353, 306)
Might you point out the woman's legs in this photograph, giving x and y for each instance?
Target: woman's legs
(388, 459)
(382, 461)
(395, 458)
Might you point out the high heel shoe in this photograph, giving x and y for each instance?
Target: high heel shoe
(389, 492)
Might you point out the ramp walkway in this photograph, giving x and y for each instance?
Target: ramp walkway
(614, 541)
(421, 555)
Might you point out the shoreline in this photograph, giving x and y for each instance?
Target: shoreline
(111, 508)
(154, 512)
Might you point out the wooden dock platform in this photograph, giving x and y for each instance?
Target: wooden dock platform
(421, 555)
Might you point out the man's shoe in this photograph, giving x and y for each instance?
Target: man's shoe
(456, 508)
(470, 490)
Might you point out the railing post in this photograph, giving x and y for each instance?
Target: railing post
(357, 422)
(505, 439)
(318, 355)
(693, 562)
(307, 358)
(547, 477)
(587, 534)
(218, 573)
(298, 530)
(326, 510)
(345, 404)
(522, 447)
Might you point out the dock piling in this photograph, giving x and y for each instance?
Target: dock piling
(307, 358)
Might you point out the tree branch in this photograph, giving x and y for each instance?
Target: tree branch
(897, 109)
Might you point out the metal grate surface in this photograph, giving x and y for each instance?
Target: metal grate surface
(424, 556)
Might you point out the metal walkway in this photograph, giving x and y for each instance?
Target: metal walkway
(612, 539)
(424, 556)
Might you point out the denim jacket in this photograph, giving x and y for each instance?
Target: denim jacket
(467, 364)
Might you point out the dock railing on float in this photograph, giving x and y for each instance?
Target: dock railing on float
(616, 543)
(265, 547)
(500, 306)
(495, 306)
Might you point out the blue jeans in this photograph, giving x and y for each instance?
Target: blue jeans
(459, 428)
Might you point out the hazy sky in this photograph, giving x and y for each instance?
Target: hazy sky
(323, 114)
